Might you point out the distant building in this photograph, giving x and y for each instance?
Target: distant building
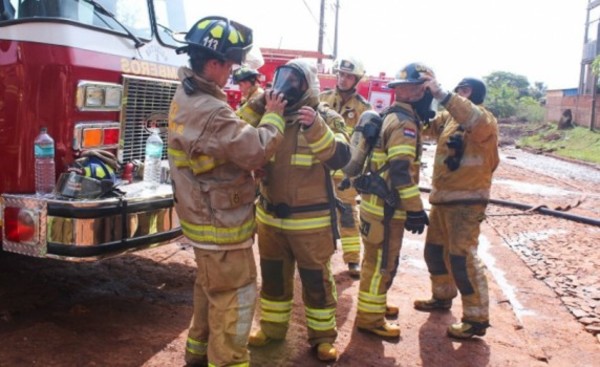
(580, 100)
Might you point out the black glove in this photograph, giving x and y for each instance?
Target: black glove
(416, 221)
(455, 142)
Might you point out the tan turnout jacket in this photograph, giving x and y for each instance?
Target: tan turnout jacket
(211, 155)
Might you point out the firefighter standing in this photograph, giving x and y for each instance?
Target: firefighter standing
(465, 159)
(247, 79)
(348, 103)
(211, 155)
(296, 214)
(391, 200)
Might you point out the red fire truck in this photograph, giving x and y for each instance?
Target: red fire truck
(98, 75)
(373, 88)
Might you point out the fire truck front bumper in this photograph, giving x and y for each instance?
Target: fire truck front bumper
(82, 229)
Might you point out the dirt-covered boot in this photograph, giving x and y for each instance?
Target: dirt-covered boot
(386, 331)
(432, 304)
(258, 339)
(326, 352)
(391, 311)
(467, 329)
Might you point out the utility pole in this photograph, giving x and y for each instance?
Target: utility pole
(321, 30)
(335, 35)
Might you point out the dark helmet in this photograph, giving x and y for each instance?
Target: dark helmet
(222, 38)
(93, 178)
(297, 79)
(477, 86)
(244, 73)
(412, 73)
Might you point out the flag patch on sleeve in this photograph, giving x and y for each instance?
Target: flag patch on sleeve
(411, 133)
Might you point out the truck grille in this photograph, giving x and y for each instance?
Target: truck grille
(146, 102)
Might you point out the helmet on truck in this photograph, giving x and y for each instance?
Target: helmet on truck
(219, 37)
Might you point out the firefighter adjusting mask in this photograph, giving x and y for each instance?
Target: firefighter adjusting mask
(291, 82)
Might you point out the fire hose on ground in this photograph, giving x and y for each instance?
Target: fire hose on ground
(538, 209)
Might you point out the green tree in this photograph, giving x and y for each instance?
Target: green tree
(511, 95)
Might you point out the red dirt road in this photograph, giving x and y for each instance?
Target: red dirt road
(134, 310)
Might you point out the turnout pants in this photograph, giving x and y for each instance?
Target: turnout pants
(348, 224)
(451, 257)
(280, 250)
(224, 303)
(374, 284)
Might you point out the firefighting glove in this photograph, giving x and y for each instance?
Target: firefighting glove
(455, 142)
(416, 221)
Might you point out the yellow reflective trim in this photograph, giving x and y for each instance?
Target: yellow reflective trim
(372, 298)
(241, 364)
(217, 235)
(196, 347)
(323, 142)
(176, 153)
(369, 307)
(409, 192)
(378, 210)
(234, 37)
(338, 174)
(321, 325)
(320, 319)
(319, 313)
(281, 317)
(217, 31)
(376, 279)
(248, 114)
(304, 160)
(292, 224)
(266, 304)
(203, 25)
(275, 120)
(204, 163)
(340, 137)
(409, 150)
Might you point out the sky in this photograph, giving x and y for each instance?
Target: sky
(539, 39)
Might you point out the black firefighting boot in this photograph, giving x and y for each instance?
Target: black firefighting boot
(192, 360)
(386, 331)
(432, 304)
(354, 270)
(326, 352)
(467, 329)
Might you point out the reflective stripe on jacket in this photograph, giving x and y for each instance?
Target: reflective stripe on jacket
(473, 178)
(350, 111)
(296, 174)
(211, 155)
(399, 146)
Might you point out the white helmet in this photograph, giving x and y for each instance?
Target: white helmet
(349, 65)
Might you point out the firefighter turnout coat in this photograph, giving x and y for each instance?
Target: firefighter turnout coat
(296, 220)
(211, 155)
(349, 235)
(396, 157)
(459, 195)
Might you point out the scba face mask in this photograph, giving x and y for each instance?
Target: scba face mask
(291, 83)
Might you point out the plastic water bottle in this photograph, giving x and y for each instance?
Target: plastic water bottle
(154, 148)
(45, 173)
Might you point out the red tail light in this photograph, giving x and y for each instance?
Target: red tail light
(20, 225)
